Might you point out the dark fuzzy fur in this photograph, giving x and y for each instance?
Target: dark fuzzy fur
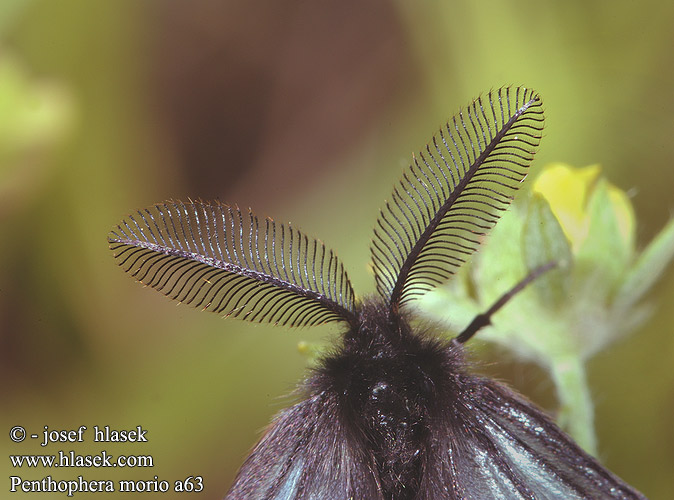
(390, 383)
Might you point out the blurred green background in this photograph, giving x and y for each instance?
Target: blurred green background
(306, 111)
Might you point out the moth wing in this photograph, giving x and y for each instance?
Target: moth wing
(307, 454)
(502, 447)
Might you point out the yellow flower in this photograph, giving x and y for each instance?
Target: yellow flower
(571, 193)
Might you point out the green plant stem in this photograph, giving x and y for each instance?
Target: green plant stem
(576, 411)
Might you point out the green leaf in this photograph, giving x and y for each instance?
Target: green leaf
(647, 269)
(544, 241)
(499, 262)
(603, 258)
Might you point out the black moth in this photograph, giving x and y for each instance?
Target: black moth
(392, 413)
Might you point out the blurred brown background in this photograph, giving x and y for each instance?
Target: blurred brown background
(306, 111)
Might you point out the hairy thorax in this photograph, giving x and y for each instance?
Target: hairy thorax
(388, 379)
